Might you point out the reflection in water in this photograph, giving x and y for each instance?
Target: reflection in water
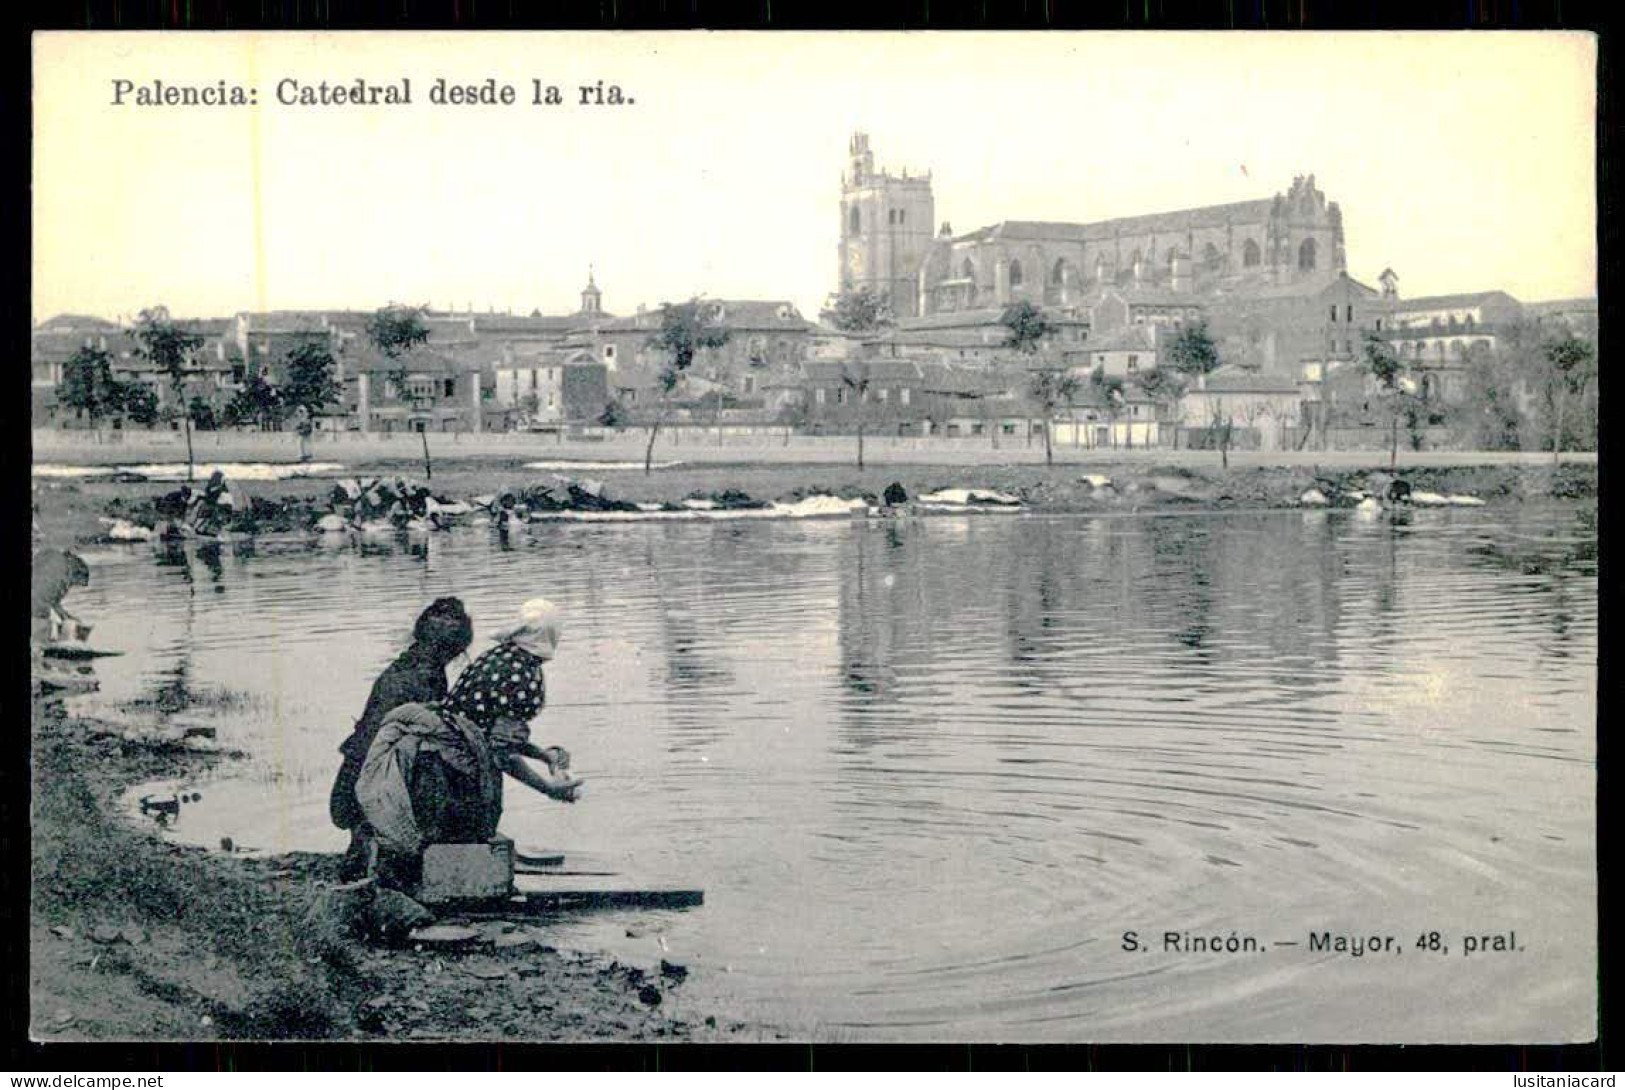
(929, 771)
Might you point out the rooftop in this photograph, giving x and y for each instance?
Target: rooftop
(1460, 299)
(416, 360)
(1307, 288)
(1231, 379)
(1132, 338)
(1216, 215)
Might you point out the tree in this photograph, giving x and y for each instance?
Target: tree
(1165, 387)
(1394, 387)
(1052, 388)
(1026, 330)
(1026, 327)
(169, 348)
(310, 382)
(257, 402)
(685, 329)
(613, 416)
(202, 414)
(1568, 364)
(1220, 430)
(1193, 356)
(792, 414)
(861, 311)
(1490, 418)
(88, 386)
(1416, 414)
(1111, 389)
(393, 330)
(139, 402)
(1253, 412)
(856, 377)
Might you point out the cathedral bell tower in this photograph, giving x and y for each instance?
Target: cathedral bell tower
(886, 225)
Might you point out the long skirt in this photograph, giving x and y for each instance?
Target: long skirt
(449, 809)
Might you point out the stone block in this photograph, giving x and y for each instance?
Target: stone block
(459, 872)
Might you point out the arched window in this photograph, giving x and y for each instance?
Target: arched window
(1251, 255)
(967, 270)
(1211, 258)
(900, 217)
(1135, 260)
(854, 223)
(1306, 254)
(1015, 273)
(1057, 275)
(1458, 350)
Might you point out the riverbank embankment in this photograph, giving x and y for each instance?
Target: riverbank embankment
(295, 504)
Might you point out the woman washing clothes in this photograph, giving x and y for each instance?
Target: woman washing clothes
(433, 774)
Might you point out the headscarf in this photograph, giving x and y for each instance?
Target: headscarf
(503, 683)
(506, 681)
(541, 626)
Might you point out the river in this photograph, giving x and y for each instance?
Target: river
(929, 772)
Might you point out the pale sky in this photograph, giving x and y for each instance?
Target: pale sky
(1464, 160)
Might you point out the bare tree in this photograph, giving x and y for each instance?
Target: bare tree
(685, 329)
(856, 376)
(1052, 388)
(170, 349)
(1568, 366)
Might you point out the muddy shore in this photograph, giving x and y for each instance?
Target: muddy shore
(134, 938)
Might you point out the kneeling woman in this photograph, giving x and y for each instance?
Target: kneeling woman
(433, 774)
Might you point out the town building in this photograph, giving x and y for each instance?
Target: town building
(550, 387)
(1441, 329)
(1576, 316)
(1268, 405)
(53, 342)
(419, 389)
(897, 396)
(1126, 353)
(1119, 308)
(1281, 329)
(971, 337)
(766, 338)
(260, 342)
(1098, 419)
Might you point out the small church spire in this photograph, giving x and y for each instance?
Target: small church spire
(591, 297)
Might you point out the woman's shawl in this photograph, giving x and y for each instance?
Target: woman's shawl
(384, 787)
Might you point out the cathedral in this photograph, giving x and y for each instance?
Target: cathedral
(887, 246)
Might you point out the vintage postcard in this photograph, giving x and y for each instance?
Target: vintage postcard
(815, 537)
